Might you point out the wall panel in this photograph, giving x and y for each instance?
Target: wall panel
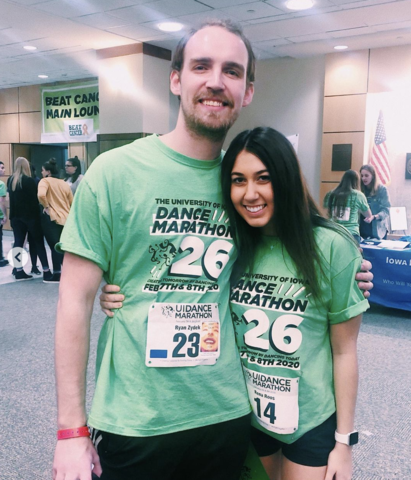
(347, 73)
(30, 99)
(9, 100)
(30, 127)
(9, 128)
(344, 113)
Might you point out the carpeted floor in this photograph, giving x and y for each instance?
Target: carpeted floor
(27, 396)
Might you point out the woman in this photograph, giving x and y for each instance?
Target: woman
(56, 198)
(345, 202)
(25, 215)
(73, 173)
(379, 202)
(296, 315)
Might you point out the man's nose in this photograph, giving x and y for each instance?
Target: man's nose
(215, 79)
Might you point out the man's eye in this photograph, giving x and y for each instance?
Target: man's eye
(233, 73)
(199, 67)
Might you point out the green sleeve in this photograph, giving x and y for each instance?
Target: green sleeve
(347, 300)
(3, 190)
(88, 231)
(362, 202)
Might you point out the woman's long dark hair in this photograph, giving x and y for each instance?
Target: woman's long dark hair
(337, 201)
(76, 163)
(295, 212)
(373, 186)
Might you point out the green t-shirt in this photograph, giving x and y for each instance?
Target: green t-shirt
(356, 202)
(283, 336)
(152, 220)
(3, 193)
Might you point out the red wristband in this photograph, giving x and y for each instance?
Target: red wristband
(73, 433)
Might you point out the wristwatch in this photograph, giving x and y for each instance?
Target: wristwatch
(347, 438)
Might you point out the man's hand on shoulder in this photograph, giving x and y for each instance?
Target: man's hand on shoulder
(364, 278)
(74, 458)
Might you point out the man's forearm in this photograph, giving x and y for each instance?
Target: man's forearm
(79, 283)
(3, 206)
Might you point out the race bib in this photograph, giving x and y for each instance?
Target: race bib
(274, 401)
(182, 334)
(344, 216)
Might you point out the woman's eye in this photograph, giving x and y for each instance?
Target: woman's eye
(237, 180)
(265, 178)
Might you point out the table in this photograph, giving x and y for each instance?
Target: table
(392, 277)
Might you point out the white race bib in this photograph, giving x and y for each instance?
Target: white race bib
(345, 214)
(183, 334)
(274, 401)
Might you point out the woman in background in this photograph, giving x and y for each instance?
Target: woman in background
(73, 173)
(346, 202)
(25, 215)
(379, 202)
(56, 198)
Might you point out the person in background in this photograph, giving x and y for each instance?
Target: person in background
(56, 198)
(346, 202)
(32, 245)
(379, 202)
(73, 173)
(3, 213)
(25, 215)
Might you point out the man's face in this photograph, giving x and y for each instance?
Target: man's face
(212, 83)
(2, 170)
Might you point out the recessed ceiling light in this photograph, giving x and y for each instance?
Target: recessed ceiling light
(250, 11)
(30, 48)
(170, 26)
(341, 47)
(299, 4)
(43, 76)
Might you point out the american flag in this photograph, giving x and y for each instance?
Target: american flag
(379, 154)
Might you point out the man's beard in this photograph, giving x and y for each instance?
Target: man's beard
(214, 130)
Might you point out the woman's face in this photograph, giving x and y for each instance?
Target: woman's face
(44, 173)
(70, 169)
(366, 177)
(252, 192)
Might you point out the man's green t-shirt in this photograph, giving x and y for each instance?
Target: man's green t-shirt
(154, 222)
(3, 193)
(356, 203)
(283, 336)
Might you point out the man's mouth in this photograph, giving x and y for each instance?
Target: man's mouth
(255, 209)
(209, 341)
(209, 102)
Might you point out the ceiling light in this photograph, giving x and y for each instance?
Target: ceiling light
(341, 47)
(299, 4)
(43, 76)
(170, 26)
(30, 48)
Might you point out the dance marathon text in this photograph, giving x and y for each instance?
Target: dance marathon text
(271, 292)
(195, 262)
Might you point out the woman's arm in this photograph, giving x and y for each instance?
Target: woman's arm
(42, 193)
(345, 367)
(384, 203)
(368, 215)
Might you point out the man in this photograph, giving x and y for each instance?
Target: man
(3, 213)
(163, 408)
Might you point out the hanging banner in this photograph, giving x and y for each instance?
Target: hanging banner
(70, 113)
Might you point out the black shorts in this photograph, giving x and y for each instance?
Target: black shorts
(213, 452)
(312, 449)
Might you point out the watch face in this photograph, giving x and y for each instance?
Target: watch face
(354, 438)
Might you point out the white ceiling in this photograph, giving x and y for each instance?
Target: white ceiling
(67, 32)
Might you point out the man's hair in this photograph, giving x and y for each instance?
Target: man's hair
(178, 57)
(1, 163)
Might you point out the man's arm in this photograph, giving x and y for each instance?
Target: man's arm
(78, 286)
(3, 209)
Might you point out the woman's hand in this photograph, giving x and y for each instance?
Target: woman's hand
(111, 299)
(339, 463)
(47, 211)
(369, 219)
